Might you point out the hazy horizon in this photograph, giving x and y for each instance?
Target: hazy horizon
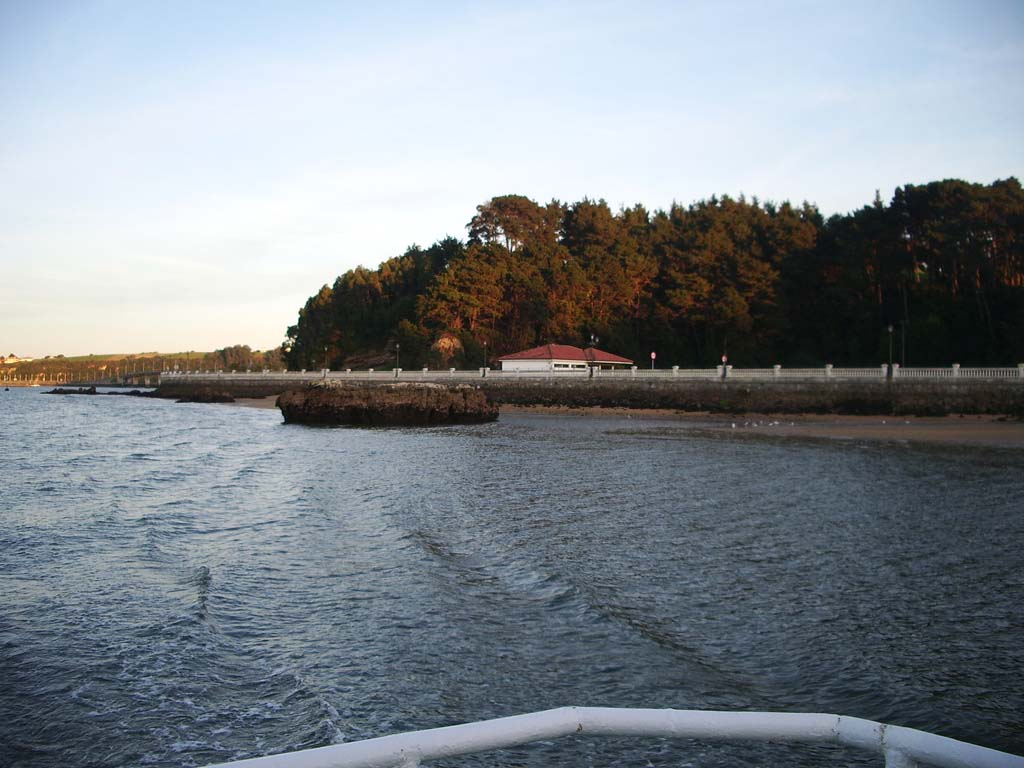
(185, 176)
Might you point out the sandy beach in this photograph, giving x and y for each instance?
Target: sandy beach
(992, 431)
(255, 402)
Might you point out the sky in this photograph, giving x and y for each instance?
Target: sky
(183, 175)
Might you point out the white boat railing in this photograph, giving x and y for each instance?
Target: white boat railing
(901, 747)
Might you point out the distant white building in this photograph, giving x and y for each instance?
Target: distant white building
(12, 358)
(561, 358)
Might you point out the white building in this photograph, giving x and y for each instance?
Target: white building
(561, 358)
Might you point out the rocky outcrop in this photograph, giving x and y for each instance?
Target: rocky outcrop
(92, 391)
(206, 395)
(386, 405)
(181, 387)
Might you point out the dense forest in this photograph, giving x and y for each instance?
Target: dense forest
(937, 273)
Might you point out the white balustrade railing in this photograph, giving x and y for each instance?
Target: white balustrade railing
(698, 374)
(990, 373)
(901, 747)
(617, 373)
(878, 372)
(805, 373)
(776, 373)
(922, 373)
(650, 373)
(497, 373)
(957, 372)
(769, 373)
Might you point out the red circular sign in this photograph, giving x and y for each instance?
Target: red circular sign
(653, 355)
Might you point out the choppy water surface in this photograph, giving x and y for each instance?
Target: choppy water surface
(186, 584)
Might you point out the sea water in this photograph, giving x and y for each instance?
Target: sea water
(182, 584)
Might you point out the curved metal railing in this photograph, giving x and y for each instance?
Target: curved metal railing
(901, 747)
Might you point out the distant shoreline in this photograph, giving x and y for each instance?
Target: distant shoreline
(980, 431)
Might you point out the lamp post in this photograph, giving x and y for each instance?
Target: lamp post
(397, 348)
(890, 345)
(325, 357)
(903, 344)
(485, 354)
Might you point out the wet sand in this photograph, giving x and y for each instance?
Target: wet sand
(993, 431)
(256, 402)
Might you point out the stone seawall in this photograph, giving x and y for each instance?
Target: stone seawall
(919, 398)
(183, 387)
(844, 397)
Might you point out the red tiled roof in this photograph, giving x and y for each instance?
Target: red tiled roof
(595, 355)
(548, 352)
(567, 352)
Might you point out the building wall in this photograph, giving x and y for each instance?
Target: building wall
(543, 365)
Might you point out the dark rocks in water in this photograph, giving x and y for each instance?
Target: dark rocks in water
(92, 391)
(206, 396)
(386, 405)
(73, 391)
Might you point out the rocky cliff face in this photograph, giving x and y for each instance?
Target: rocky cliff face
(386, 404)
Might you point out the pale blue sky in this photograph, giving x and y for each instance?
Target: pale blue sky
(184, 175)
